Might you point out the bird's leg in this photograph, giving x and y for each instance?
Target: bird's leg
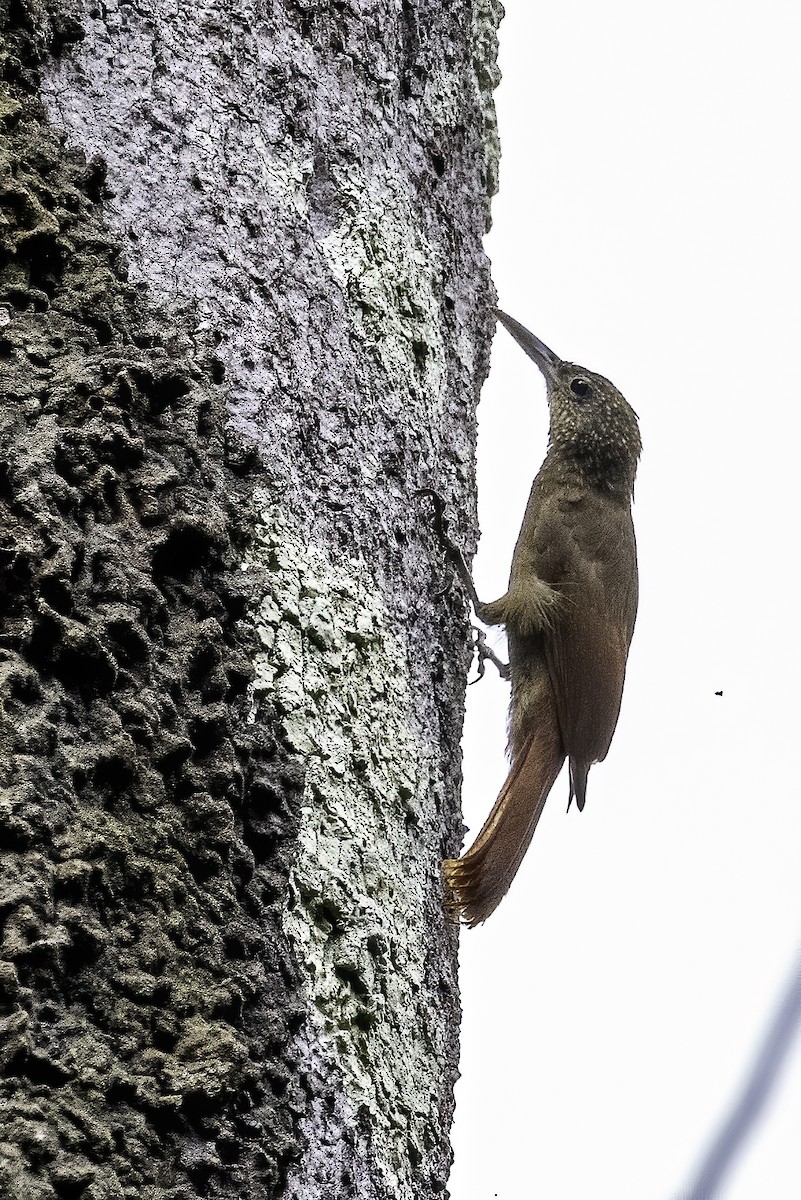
(492, 613)
(452, 552)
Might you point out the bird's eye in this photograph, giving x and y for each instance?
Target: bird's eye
(579, 386)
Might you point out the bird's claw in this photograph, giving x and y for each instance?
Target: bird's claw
(486, 654)
(452, 552)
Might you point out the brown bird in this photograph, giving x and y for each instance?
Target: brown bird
(569, 615)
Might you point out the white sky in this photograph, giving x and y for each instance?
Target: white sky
(647, 228)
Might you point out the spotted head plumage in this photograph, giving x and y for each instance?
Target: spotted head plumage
(591, 422)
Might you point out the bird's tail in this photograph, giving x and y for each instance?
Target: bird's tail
(478, 881)
(578, 784)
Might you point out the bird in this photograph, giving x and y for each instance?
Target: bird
(569, 615)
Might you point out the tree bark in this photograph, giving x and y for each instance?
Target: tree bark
(244, 316)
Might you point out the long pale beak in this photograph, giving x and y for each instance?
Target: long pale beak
(545, 359)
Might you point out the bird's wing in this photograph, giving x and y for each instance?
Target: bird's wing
(588, 553)
(587, 664)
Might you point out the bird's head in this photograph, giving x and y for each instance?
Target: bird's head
(591, 423)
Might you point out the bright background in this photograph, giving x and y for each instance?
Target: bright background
(647, 228)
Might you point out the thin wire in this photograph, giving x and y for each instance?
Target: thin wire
(757, 1088)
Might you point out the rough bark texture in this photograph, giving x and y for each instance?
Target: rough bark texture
(244, 314)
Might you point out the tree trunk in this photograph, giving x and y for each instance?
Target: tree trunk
(243, 318)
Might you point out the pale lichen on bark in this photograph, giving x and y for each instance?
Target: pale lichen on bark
(337, 672)
(487, 16)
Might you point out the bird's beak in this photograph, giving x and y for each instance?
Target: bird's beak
(545, 359)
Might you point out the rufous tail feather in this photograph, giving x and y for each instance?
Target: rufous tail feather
(477, 882)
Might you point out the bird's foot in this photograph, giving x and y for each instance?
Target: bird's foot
(453, 554)
(485, 654)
